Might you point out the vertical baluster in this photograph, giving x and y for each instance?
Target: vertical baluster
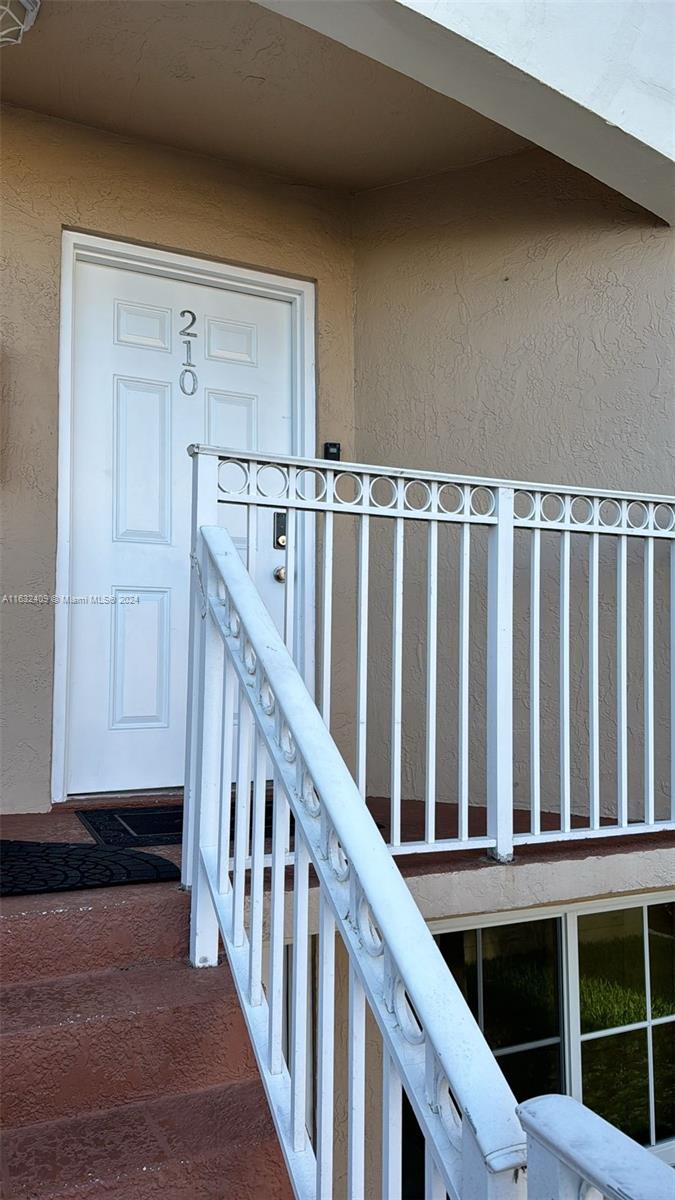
(649, 675)
(251, 526)
(257, 870)
(326, 1052)
(535, 677)
(226, 774)
(432, 672)
(205, 469)
(357, 1092)
(622, 677)
(392, 1128)
(434, 1188)
(289, 596)
(276, 966)
(565, 740)
(362, 652)
(672, 681)
(327, 614)
(397, 671)
(299, 994)
(209, 684)
(241, 817)
(500, 677)
(464, 632)
(594, 673)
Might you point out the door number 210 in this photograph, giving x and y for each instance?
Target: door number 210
(188, 380)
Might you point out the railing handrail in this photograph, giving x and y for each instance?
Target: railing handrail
(441, 477)
(594, 1150)
(474, 1076)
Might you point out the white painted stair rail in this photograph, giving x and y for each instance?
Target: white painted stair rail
(573, 1153)
(431, 1045)
(500, 654)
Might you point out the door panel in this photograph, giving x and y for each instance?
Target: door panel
(157, 364)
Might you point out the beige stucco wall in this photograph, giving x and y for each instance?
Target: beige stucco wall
(515, 319)
(509, 319)
(59, 175)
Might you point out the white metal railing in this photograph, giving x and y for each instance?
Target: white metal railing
(573, 1153)
(430, 1043)
(503, 653)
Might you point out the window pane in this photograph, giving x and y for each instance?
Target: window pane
(520, 983)
(615, 1081)
(661, 919)
(611, 969)
(459, 952)
(663, 1044)
(533, 1072)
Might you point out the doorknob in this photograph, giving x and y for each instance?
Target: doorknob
(279, 574)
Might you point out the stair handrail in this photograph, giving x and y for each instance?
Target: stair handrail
(570, 1147)
(377, 915)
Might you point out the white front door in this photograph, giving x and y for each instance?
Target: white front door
(157, 363)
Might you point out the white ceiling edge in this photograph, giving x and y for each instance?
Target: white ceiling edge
(395, 33)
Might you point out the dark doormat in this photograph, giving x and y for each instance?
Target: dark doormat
(159, 825)
(28, 868)
(153, 825)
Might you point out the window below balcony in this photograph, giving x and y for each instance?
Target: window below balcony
(580, 1001)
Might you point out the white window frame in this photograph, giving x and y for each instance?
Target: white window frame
(572, 1037)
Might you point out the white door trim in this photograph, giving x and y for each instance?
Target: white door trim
(81, 247)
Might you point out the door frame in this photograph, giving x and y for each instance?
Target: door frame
(299, 293)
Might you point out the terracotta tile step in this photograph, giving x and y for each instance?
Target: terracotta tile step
(217, 1144)
(66, 932)
(92, 1041)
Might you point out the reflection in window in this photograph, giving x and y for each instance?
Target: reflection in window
(611, 970)
(615, 1079)
(510, 977)
(521, 1000)
(533, 1072)
(664, 1079)
(661, 922)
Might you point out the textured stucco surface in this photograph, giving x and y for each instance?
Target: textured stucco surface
(58, 175)
(514, 320)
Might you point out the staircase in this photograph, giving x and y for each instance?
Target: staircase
(125, 1073)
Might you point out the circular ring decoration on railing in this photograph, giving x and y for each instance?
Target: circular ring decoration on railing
(267, 697)
(609, 513)
(348, 488)
(417, 495)
(310, 484)
(310, 797)
(371, 937)
(272, 481)
(581, 510)
(382, 491)
(233, 476)
(664, 517)
(336, 857)
(287, 743)
(408, 1023)
(448, 1110)
(451, 499)
(234, 622)
(552, 508)
(482, 501)
(524, 506)
(250, 657)
(637, 515)
(587, 1191)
